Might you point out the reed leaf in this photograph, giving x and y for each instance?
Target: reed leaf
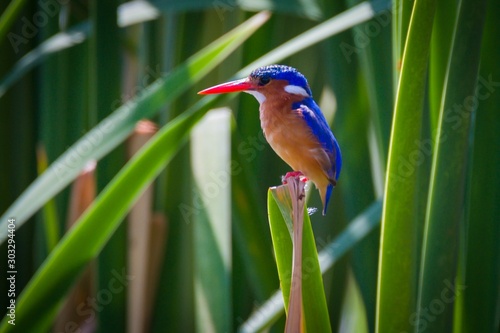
(444, 221)
(398, 246)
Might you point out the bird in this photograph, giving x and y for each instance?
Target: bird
(293, 124)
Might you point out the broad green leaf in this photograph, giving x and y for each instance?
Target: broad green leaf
(313, 294)
(398, 248)
(361, 226)
(280, 223)
(444, 226)
(115, 128)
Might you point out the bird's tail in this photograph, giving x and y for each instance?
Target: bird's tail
(325, 197)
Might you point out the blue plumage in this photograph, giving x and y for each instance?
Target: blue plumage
(319, 127)
(280, 72)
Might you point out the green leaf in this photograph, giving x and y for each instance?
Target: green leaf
(399, 249)
(313, 294)
(361, 226)
(115, 128)
(449, 180)
(279, 224)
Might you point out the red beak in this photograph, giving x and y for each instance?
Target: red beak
(228, 87)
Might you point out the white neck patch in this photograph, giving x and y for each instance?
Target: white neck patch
(296, 90)
(258, 95)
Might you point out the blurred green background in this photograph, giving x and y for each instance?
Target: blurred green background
(177, 238)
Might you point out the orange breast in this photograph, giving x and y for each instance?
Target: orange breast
(291, 138)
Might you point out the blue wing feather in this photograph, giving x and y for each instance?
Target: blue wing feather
(319, 127)
(316, 121)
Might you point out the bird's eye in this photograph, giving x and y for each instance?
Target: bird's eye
(263, 81)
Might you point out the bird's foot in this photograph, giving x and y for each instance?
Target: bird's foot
(294, 174)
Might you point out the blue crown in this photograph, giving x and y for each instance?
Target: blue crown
(281, 72)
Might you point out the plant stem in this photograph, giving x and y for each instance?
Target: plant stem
(294, 320)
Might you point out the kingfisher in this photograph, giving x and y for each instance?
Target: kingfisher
(293, 124)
